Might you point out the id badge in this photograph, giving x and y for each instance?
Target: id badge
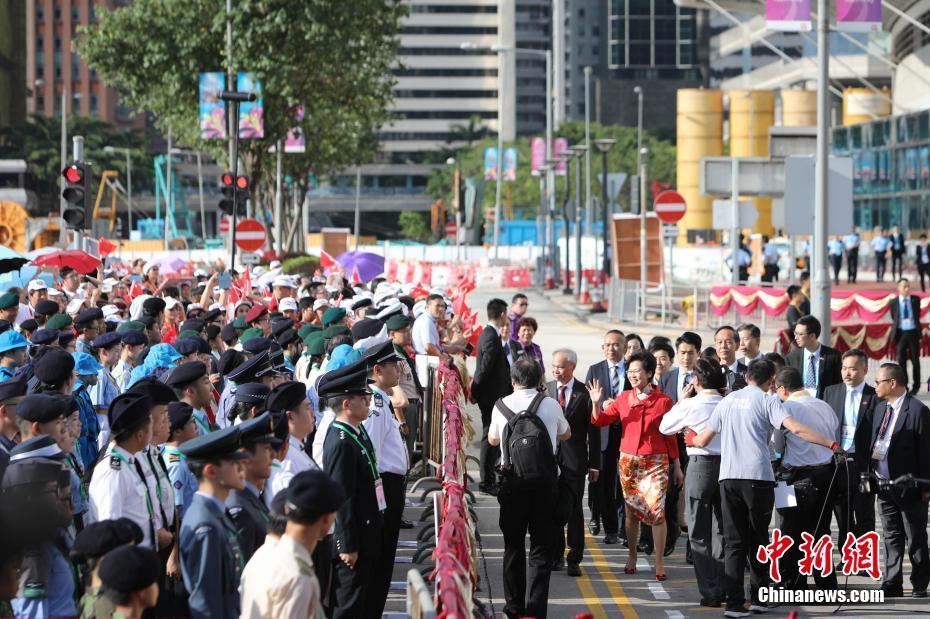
(379, 494)
(880, 450)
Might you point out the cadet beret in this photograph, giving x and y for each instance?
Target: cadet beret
(367, 327)
(65, 337)
(29, 325)
(252, 369)
(255, 313)
(54, 367)
(239, 322)
(88, 315)
(134, 338)
(348, 380)
(397, 322)
(316, 347)
(220, 445)
(382, 353)
(13, 388)
(179, 414)
(194, 324)
(287, 396)
(47, 307)
(306, 330)
(211, 315)
(107, 340)
(158, 392)
(42, 407)
(230, 359)
(280, 326)
(99, 538)
(44, 336)
(187, 346)
(314, 492)
(333, 315)
(331, 332)
(127, 410)
(252, 393)
(186, 373)
(315, 335)
(287, 338)
(130, 325)
(8, 300)
(152, 306)
(229, 333)
(58, 321)
(250, 333)
(258, 430)
(35, 471)
(128, 569)
(85, 364)
(256, 345)
(42, 446)
(11, 340)
(187, 334)
(211, 331)
(147, 321)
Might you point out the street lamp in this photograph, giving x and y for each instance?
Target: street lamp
(643, 273)
(456, 203)
(578, 151)
(115, 149)
(639, 144)
(552, 188)
(565, 157)
(604, 145)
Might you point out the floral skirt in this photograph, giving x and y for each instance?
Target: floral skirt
(644, 480)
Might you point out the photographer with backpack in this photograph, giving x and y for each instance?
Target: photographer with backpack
(527, 425)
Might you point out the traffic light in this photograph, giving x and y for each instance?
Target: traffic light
(234, 188)
(77, 195)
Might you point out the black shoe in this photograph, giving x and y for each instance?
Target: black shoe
(490, 489)
(574, 570)
(645, 547)
(711, 603)
(919, 593)
(624, 542)
(406, 524)
(611, 538)
(594, 527)
(892, 590)
(558, 565)
(689, 558)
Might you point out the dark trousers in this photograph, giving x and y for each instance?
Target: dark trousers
(897, 264)
(854, 510)
(383, 569)
(880, 260)
(746, 507)
(852, 265)
(814, 492)
(571, 513)
(522, 511)
(923, 270)
(489, 455)
(603, 495)
(705, 527)
(770, 273)
(323, 567)
(908, 346)
(904, 524)
(350, 587)
(837, 263)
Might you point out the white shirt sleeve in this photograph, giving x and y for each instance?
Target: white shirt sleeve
(496, 429)
(674, 421)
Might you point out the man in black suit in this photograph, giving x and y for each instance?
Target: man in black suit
(898, 442)
(922, 257)
(579, 457)
(818, 363)
(851, 400)
(726, 344)
(602, 494)
(491, 382)
(905, 314)
(898, 248)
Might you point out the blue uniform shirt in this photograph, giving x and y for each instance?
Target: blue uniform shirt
(105, 391)
(90, 426)
(880, 244)
(5, 373)
(851, 241)
(182, 480)
(53, 593)
(211, 560)
(836, 247)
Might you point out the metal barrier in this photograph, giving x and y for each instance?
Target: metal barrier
(419, 599)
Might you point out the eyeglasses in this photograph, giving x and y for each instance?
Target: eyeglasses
(883, 380)
(800, 334)
(606, 345)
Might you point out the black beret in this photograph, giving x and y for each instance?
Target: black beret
(44, 336)
(186, 373)
(127, 410)
(349, 380)
(220, 445)
(287, 337)
(252, 393)
(65, 337)
(397, 322)
(179, 414)
(34, 471)
(54, 367)
(42, 407)
(280, 326)
(314, 492)
(29, 324)
(158, 392)
(203, 347)
(212, 331)
(88, 315)
(250, 370)
(128, 569)
(187, 346)
(152, 306)
(230, 359)
(367, 327)
(134, 338)
(99, 538)
(382, 353)
(211, 315)
(287, 396)
(194, 324)
(107, 340)
(47, 307)
(258, 430)
(229, 333)
(13, 388)
(257, 345)
(42, 446)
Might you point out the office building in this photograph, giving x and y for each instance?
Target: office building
(580, 34)
(12, 62)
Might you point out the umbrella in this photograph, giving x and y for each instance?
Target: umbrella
(79, 260)
(18, 278)
(11, 260)
(368, 265)
(170, 265)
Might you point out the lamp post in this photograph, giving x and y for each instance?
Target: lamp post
(115, 149)
(578, 151)
(203, 216)
(565, 157)
(604, 145)
(634, 186)
(643, 271)
(456, 203)
(552, 188)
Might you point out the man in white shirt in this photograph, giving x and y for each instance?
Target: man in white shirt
(749, 343)
(523, 508)
(811, 472)
(426, 339)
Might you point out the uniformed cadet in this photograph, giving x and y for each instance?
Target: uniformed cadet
(290, 399)
(250, 401)
(13, 347)
(85, 370)
(11, 394)
(398, 328)
(282, 433)
(351, 461)
(182, 428)
(90, 545)
(192, 385)
(280, 583)
(9, 307)
(40, 489)
(109, 347)
(130, 578)
(117, 486)
(87, 325)
(246, 508)
(211, 557)
(134, 342)
(257, 369)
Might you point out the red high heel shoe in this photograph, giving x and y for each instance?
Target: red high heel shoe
(661, 577)
(629, 570)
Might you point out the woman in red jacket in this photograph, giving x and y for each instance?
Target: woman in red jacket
(645, 453)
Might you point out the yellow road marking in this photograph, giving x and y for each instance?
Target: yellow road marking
(610, 579)
(592, 601)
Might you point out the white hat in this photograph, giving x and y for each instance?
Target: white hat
(258, 271)
(242, 302)
(54, 292)
(214, 306)
(418, 308)
(171, 303)
(274, 264)
(200, 273)
(283, 281)
(320, 303)
(109, 311)
(74, 306)
(346, 303)
(135, 308)
(148, 267)
(108, 284)
(36, 284)
(194, 306)
(288, 304)
(393, 308)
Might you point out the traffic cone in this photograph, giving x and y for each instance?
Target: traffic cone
(597, 301)
(550, 276)
(584, 297)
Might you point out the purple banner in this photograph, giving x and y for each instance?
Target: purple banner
(537, 155)
(510, 164)
(294, 142)
(212, 109)
(788, 15)
(559, 145)
(859, 15)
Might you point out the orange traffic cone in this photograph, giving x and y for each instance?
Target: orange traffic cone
(584, 297)
(550, 276)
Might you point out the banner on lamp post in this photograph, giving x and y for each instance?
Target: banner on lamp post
(490, 163)
(788, 15)
(560, 145)
(510, 164)
(294, 142)
(212, 109)
(537, 155)
(251, 113)
(859, 15)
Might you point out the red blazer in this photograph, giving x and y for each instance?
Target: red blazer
(639, 422)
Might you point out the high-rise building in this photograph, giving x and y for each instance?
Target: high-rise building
(533, 27)
(12, 62)
(581, 29)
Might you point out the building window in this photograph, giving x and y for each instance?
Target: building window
(40, 67)
(91, 14)
(40, 13)
(57, 13)
(40, 45)
(75, 13)
(57, 104)
(642, 7)
(93, 103)
(76, 103)
(57, 43)
(40, 103)
(581, 13)
(75, 66)
(57, 63)
(595, 50)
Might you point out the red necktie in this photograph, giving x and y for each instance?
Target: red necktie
(562, 396)
(885, 420)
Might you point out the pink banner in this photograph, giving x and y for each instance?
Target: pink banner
(558, 146)
(859, 15)
(788, 15)
(537, 155)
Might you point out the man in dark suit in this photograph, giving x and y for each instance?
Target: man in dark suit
(602, 493)
(726, 344)
(898, 248)
(491, 382)
(851, 400)
(579, 457)
(922, 256)
(818, 363)
(905, 315)
(898, 442)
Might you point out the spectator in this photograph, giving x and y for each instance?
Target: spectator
(523, 345)
(795, 306)
(922, 255)
(519, 304)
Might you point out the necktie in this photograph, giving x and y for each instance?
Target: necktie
(562, 396)
(810, 377)
(687, 381)
(885, 419)
(850, 419)
(615, 381)
(905, 310)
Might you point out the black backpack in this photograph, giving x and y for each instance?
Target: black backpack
(527, 459)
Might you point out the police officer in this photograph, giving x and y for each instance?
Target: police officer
(257, 369)
(181, 428)
(383, 428)
(290, 399)
(211, 556)
(246, 508)
(250, 401)
(350, 460)
(190, 382)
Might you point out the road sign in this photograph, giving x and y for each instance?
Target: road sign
(723, 214)
(224, 225)
(795, 212)
(250, 257)
(250, 235)
(615, 182)
(670, 206)
(451, 228)
(670, 232)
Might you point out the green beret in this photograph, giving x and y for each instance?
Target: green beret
(239, 323)
(315, 335)
(130, 325)
(316, 347)
(250, 333)
(397, 322)
(306, 330)
(8, 300)
(187, 333)
(333, 315)
(331, 332)
(58, 321)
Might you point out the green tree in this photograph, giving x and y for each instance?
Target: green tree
(414, 226)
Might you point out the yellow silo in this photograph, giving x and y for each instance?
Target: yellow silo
(699, 121)
(861, 105)
(798, 108)
(752, 112)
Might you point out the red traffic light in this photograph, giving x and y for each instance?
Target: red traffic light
(227, 179)
(73, 174)
(242, 182)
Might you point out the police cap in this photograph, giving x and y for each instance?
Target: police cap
(253, 369)
(252, 393)
(348, 380)
(220, 445)
(256, 345)
(258, 430)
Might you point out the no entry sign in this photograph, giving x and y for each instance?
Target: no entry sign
(250, 235)
(670, 206)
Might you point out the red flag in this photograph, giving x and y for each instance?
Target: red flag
(473, 340)
(106, 247)
(356, 278)
(326, 260)
(135, 290)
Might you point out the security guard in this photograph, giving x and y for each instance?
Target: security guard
(250, 401)
(181, 428)
(257, 369)
(211, 555)
(290, 399)
(351, 461)
(12, 353)
(246, 508)
(391, 450)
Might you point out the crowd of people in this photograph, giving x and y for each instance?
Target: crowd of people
(193, 449)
